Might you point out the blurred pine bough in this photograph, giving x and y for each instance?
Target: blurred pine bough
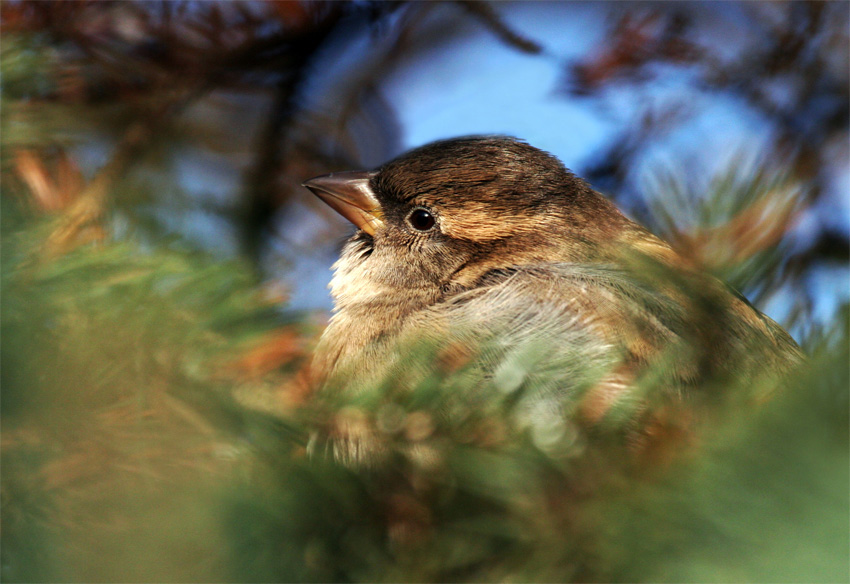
(126, 456)
(151, 430)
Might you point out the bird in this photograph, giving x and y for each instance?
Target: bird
(488, 246)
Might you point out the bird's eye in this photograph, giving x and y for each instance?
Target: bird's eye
(421, 219)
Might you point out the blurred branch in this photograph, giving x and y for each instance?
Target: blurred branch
(488, 16)
(261, 190)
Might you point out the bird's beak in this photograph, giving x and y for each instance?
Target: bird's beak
(349, 194)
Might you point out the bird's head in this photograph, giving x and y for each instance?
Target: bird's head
(450, 211)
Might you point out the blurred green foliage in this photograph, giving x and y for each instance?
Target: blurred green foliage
(112, 397)
(126, 456)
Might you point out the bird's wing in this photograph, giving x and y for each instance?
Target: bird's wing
(593, 331)
(553, 329)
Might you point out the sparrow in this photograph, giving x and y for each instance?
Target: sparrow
(486, 241)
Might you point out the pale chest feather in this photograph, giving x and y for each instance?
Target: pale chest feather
(371, 304)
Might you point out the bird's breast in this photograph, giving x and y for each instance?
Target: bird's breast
(374, 296)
